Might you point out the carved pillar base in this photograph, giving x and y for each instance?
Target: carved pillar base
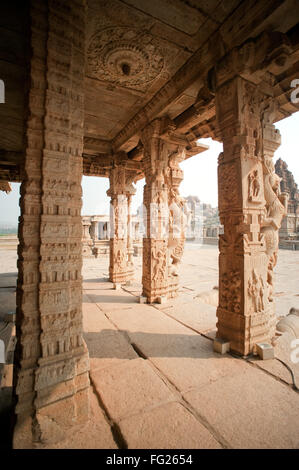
(118, 261)
(155, 273)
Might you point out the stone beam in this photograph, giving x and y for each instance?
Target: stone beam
(236, 29)
(10, 173)
(96, 145)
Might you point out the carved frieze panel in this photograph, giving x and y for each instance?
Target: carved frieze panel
(229, 187)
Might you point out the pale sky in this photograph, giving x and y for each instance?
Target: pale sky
(200, 177)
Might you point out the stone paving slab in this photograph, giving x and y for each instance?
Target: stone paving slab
(283, 351)
(183, 356)
(145, 318)
(111, 299)
(8, 279)
(201, 317)
(107, 346)
(7, 301)
(250, 410)
(129, 388)
(96, 434)
(170, 426)
(94, 285)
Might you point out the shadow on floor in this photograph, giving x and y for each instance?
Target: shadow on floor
(111, 344)
(112, 299)
(98, 279)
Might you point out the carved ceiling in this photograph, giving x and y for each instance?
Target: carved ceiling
(148, 58)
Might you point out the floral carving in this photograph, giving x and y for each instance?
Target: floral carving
(124, 56)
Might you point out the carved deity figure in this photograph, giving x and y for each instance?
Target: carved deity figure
(119, 259)
(159, 266)
(275, 210)
(256, 291)
(254, 185)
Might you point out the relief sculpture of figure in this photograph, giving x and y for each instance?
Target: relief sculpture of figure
(275, 210)
(254, 185)
(160, 265)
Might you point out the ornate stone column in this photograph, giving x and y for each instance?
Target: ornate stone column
(161, 250)
(251, 209)
(94, 230)
(178, 213)
(118, 225)
(130, 248)
(51, 382)
(86, 238)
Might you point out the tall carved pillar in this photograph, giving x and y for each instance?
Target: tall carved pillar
(130, 248)
(251, 209)
(162, 177)
(51, 381)
(118, 225)
(177, 219)
(86, 238)
(95, 230)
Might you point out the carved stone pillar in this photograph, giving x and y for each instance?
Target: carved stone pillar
(177, 220)
(94, 230)
(51, 382)
(118, 225)
(130, 248)
(251, 209)
(86, 238)
(162, 177)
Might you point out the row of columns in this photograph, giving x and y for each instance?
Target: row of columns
(164, 216)
(51, 361)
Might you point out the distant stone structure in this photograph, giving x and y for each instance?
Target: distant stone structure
(289, 231)
(96, 235)
(203, 221)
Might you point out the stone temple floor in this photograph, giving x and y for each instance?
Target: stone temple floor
(155, 380)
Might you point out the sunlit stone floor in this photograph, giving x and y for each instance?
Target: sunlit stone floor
(155, 380)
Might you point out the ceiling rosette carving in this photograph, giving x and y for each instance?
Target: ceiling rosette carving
(124, 56)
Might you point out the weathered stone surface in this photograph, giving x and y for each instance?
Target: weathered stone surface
(200, 316)
(251, 209)
(95, 434)
(283, 350)
(163, 207)
(263, 413)
(169, 426)
(50, 348)
(132, 87)
(185, 358)
(130, 387)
